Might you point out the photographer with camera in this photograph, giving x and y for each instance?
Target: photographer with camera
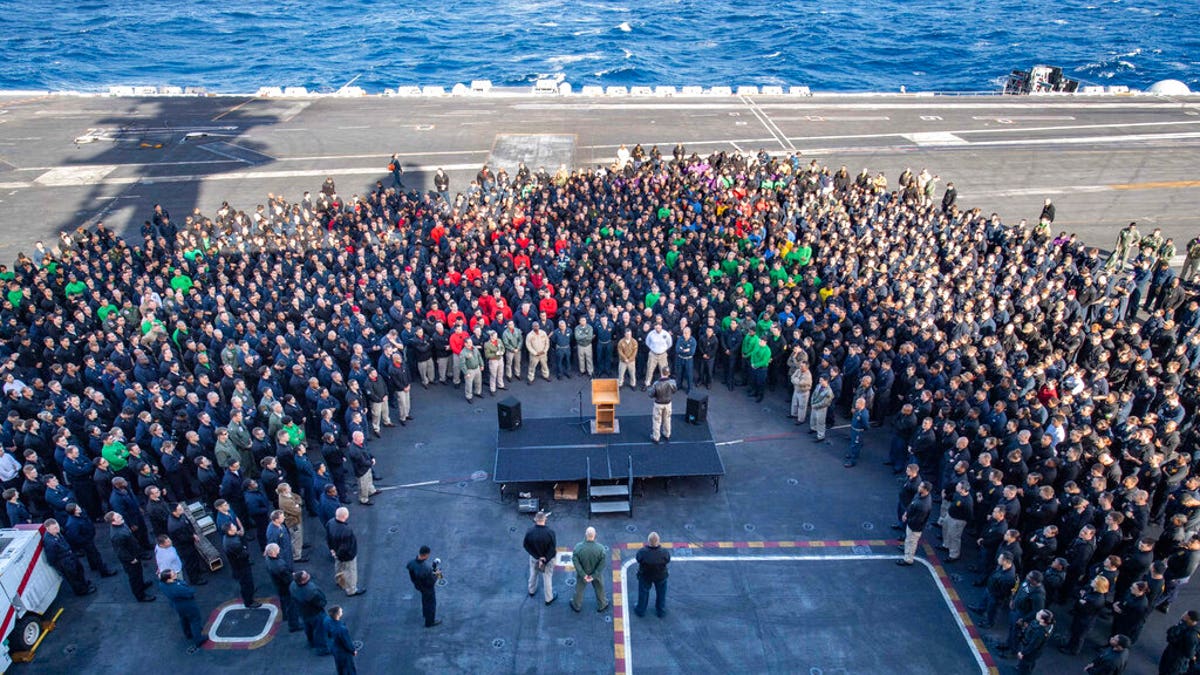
(424, 578)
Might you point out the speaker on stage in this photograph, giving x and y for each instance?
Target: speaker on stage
(697, 408)
(509, 413)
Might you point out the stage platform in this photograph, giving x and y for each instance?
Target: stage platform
(554, 449)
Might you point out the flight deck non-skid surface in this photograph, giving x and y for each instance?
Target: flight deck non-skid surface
(755, 614)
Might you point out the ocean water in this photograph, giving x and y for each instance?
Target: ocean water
(878, 45)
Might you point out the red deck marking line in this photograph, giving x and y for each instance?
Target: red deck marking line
(960, 606)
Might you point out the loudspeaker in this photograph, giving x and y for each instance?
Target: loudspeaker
(509, 413)
(697, 408)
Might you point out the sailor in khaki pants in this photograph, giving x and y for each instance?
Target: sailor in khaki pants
(471, 365)
(512, 341)
(493, 351)
(664, 388)
(658, 341)
(538, 344)
(627, 349)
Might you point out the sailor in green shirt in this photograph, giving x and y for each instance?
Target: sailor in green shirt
(729, 265)
(672, 258)
(74, 288)
(181, 282)
(778, 274)
(590, 564)
(294, 431)
(106, 310)
(513, 342)
(760, 358)
(653, 297)
(584, 335)
(803, 254)
(16, 295)
(115, 452)
(470, 362)
(493, 352)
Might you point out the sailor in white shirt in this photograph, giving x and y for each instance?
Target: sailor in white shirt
(166, 557)
(659, 343)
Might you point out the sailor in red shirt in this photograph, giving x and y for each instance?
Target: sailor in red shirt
(503, 311)
(548, 305)
(457, 339)
(454, 316)
(435, 314)
(487, 303)
(477, 322)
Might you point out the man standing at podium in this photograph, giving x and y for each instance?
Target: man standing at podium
(661, 391)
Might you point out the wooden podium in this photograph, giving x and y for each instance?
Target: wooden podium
(606, 395)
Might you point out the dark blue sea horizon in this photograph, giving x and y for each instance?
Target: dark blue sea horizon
(241, 45)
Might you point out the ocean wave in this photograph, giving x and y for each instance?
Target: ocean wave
(575, 58)
(624, 27)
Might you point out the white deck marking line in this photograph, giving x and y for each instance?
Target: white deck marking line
(767, 118)
(779, 138)
(935, 138)
(208, 148)
(628, 633)
(407, 485)
(266, 175)
(63, 176)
